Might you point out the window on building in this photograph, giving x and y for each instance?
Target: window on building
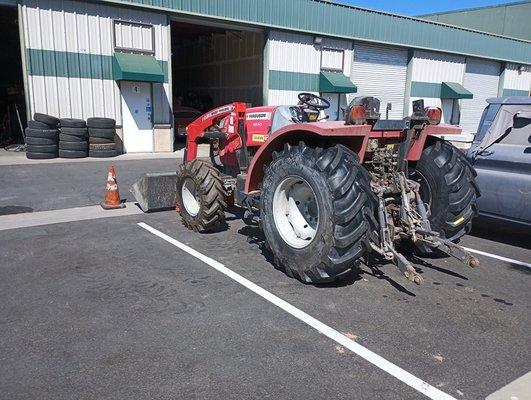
(134, 37)
(332, 59)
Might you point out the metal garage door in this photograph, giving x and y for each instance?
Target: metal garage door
(481, 78)
(380, 71)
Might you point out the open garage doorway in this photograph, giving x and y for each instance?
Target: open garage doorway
(12, 101)
(212, 66)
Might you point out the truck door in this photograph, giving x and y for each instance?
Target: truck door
(504, 173)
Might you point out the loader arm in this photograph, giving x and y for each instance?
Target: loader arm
(207, 127)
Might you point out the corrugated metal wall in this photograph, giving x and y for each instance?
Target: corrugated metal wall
(227, 67)
(428, 71)
(482, 79)
(381, 71)
(341, 20)
(69, 47)
(517, 80)
(294, 63)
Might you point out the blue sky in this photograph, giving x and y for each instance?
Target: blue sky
(416, 7)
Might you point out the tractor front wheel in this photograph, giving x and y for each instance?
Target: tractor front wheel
(201, 197)
(316, 211)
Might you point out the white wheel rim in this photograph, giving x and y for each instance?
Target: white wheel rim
(190, 197)
(295, 212)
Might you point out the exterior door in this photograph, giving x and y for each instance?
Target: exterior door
(137, 123)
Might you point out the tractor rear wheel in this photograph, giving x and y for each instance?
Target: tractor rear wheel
(201, 196)
(316, 211)
(447, 185)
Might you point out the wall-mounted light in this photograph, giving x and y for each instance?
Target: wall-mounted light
(317, 40)
(521, 69)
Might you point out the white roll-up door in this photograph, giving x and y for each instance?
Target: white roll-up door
(481, 78)
(380, 71)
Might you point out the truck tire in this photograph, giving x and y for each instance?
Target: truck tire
(73, 146)
(73, 153)
(39, 141)
(102, 153)
(37, 125)
(52, 122)
(42, 148)
(107, 133)
(72, 123)
(102, 146)
(43, 133)
(447, 185)
(82, 132)
(201, 197)
(101, 123)
(63, 137)
(330, 191)
(40, 156)
(98, 140)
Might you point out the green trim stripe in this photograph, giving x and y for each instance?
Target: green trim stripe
(340, 20)
(282, 80)
(515, 93)
(74, 65)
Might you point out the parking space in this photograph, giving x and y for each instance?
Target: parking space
(106, 309)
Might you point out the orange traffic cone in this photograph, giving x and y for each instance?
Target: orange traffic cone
(112, 196)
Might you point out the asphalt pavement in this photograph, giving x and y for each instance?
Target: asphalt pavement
(103, 308)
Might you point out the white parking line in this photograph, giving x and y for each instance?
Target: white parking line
(387, 366)
(509, 260)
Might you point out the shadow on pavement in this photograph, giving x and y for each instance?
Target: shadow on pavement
(502, 231)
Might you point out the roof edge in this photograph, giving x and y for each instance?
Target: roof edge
(515, 3)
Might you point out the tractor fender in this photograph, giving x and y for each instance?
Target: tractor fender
(429, 133)
(321, 134)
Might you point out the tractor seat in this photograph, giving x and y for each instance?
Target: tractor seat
(287, 115)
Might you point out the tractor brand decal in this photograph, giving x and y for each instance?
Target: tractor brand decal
(258, 115)
(217, 111)
(258, 138)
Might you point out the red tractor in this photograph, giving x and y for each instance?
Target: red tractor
(326, 193)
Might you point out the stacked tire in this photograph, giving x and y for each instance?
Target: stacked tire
(101, 133)
(73, 139)
(41, 137)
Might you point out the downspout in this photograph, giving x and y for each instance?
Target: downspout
(23, 59)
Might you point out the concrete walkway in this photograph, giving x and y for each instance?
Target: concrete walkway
(19, 158)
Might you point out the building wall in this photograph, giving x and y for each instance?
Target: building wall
(428, 71)
(69, 48)
(516, 80)
(227, 67)
(506, 19)
(482, 78)
(293, 63)
(333, 19)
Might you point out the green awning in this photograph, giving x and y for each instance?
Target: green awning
(453, 90)
(335, 82)
(136, 67)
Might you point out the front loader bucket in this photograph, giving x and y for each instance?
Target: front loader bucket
(155, 191)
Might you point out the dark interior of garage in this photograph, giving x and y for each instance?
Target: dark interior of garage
(213, 66)
(12, 103)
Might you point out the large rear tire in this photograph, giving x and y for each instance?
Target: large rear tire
(447, 185)
(317, 211)
(201, 197)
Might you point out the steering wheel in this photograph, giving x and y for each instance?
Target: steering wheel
(313, 101)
